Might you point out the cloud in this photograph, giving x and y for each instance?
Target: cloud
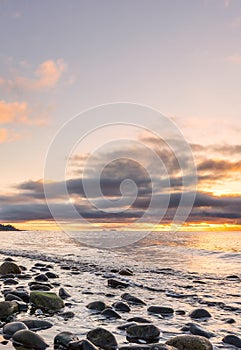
(47, 75)
(19, 113)
(235, 59)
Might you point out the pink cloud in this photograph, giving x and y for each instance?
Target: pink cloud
(234, 59)
(8, 136)
(47, 75)
(18, 113)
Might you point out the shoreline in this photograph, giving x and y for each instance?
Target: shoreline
(180, 293)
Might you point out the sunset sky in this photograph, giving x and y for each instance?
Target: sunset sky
(59, 58)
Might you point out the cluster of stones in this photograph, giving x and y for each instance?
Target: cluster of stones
(140, 333)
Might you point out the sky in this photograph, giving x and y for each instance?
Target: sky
(59, 59)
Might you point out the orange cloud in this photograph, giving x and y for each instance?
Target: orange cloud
(47, 75)
(18, 113)
(13, 112)
(3, 135)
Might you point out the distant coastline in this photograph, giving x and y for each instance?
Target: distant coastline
(8, 228)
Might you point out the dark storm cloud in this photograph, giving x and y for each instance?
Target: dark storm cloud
(28, 201)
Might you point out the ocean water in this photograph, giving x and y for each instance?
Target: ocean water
(182, 270)
(203, 252)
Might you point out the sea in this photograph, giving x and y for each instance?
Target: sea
(182, 270)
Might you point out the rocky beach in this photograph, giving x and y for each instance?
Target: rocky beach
(59, 303)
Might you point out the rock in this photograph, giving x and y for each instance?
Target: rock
(117, 284)
(64, 338)
(96, 305)
(46, 300)
(161, 347)
(10, 281)
(29, 339)
(197, 330)
(132, 299)
(138, 320)
(82, 345)
(147, 332)
(35, 324)
(180, 312)
(200, 313)
(19, 293)
(124, 326)
(41, 278)
(102, 338)
(10, 328)
(63, 293)
(120, 306)
(190, 342)
(230, 320)
(9, 267)
(40, 287)
(126, 272)
(11, 297)
(50, 274)
(67, 315)
(135, 347)
(8, 308)
(163, 310)
(232, 340)
(22, 306)
(109, 313)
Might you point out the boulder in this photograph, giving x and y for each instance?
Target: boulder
(9, 267)
(46, 300)
(190, 342)
(29, 339)
(102, 338)
(64, 338)
(10, 328)
(200, 313)
(96, 305)
(8, 308)
(147, 332)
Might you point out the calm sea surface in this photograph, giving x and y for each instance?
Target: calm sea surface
(202, 252)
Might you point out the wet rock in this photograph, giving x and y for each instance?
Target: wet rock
(64, 338)
(200, 313)
(10, 281)
(229, 320)
(138, 320)
(9, 267)
(131, 299)
(120, 306)
(147, 332)
(96, 305)
(67, 315)
(180, 312)
(50, 274)
(113, 283)
(162, 347)
(8, 308)
(135, 347)
(22, 306)
(124, 327)
(82, 345)
(190, 342)
(11, 297)
(35, 324)
(110, 313)
(10, 328)
(46, 300)
(102, 338)
(41, 278)
(40, 287)
(162, 310)
(63, 293)
(232, 340)
(29, 339)
(126, 272)
(19, 293)
(197, 330)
